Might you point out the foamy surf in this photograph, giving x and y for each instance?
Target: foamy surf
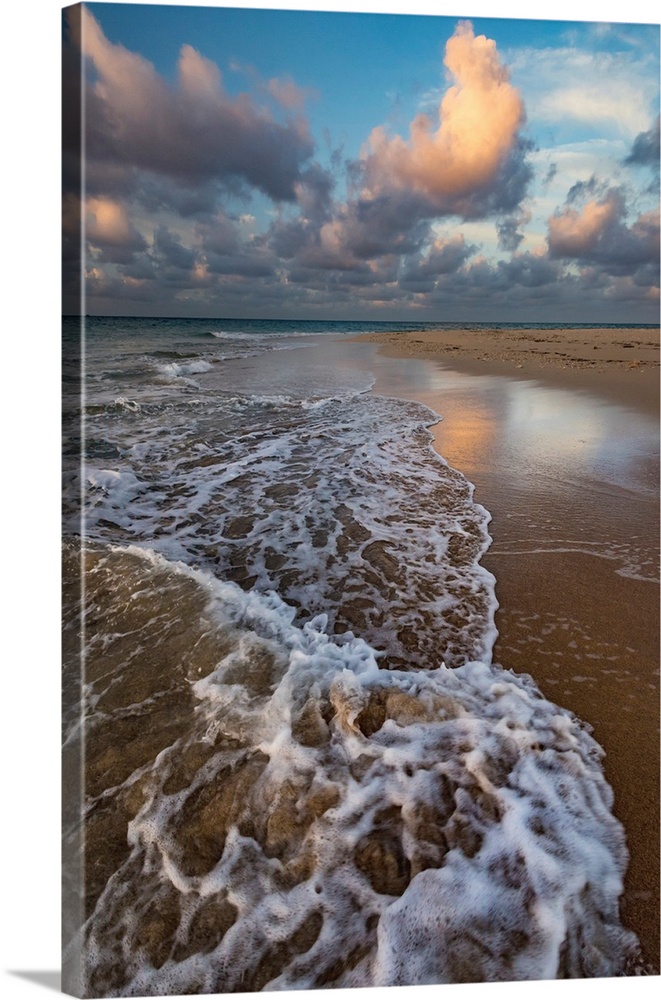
(286, 785)
(322, 822)
(173, 369)
(339, 503)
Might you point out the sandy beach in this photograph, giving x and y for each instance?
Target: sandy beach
(619, 363)
(557, 429)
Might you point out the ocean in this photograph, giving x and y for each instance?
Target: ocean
(302, 767)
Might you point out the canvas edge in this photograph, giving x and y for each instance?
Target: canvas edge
(73, 861)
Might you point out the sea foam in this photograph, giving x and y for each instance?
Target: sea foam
(325, 822)
(306, 808)
(174, 369)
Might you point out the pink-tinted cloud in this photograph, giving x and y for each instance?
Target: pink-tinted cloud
(472, 164)
(598, 233)
(480, 118)
(109, 232)
(192, 132)
(106, 221)
(575, 233)
(288, 94)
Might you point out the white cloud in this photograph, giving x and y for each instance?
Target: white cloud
(612, 93)
(617, 107)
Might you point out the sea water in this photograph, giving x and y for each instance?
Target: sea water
(302, 768)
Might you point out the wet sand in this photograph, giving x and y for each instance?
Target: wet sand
(564, 454)
(621, 364)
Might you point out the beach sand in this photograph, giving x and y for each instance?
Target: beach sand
(563, 452)
(619, 363)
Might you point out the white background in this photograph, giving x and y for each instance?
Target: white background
(29, 488)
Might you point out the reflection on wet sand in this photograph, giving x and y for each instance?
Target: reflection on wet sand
(571, 482)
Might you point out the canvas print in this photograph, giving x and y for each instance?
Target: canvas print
(360, 502)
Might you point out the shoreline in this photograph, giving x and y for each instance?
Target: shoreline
(621, 364)
(599, 654)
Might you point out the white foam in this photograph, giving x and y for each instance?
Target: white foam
(131, 405)
(482, 806)
(635, 561)
(110, 493)
(338, 502)
(112, 480)
(174, 369)
(233, 335)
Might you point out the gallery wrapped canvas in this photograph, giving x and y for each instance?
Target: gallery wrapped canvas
(360, 501)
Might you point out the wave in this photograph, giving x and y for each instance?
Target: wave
(174, 369)
(338, 503)
(131, 405)
(232, 335)
(319, 821)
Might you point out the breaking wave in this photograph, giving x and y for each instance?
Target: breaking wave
(317, 821)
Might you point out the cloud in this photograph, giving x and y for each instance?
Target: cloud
(218, 235)
(107, 222)
(570, 88)
(191, 132)
(443, 257)
(176, 169)
(592, 104)
(528, 270)
(509, 237)
(507, 278)
(370, 228)
(646, 148)
(475, 146)
(582, 189)
(597, 233)
(213, 249)
(110, 234)
(472, 165)
(176, 260)
(288, 94)
(299, 237)
(336, 236)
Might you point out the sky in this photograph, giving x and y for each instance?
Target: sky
(298, 164)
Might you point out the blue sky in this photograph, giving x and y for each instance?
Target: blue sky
(284, 179)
